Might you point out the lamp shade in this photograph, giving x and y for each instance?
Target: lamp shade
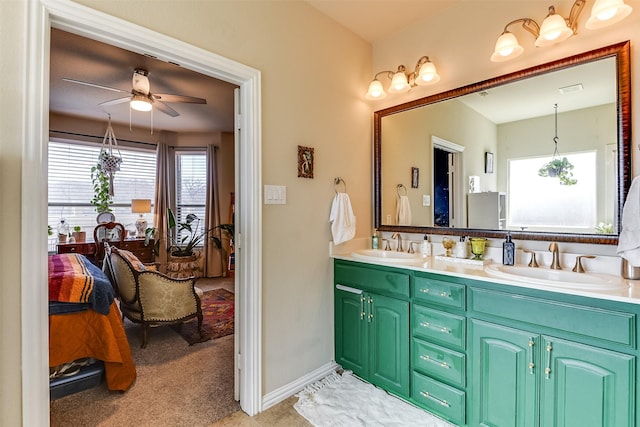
(141, 205)
(607, 12)
(553, 30)
(375, 91)
(399, 83)
(507, 47)
(140, 103)
(427, 74)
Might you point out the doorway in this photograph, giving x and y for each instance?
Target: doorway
(98, 26)
(448, 192)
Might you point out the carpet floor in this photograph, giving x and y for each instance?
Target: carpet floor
(217, 312)
(177, 385)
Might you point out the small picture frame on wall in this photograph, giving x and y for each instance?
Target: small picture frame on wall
(415, 176)
(488, 162)
(305, 162)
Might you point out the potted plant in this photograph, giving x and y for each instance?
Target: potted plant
(560, 168)
(184, 238)
(79, 235)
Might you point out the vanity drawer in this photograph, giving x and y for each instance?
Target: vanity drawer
(438, 362)
(382, 281)
(606, 325)
(434, 325)
(439, 292)
(441, 399)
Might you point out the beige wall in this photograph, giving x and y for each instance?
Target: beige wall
(312, 73)
(406, 143)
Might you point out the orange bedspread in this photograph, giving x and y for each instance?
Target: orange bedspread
(90, 334)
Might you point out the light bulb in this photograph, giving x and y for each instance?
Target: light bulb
(140, 103)
(399, 83)
(375, 91)
(607, 12)
(427, 75)
(507, 47)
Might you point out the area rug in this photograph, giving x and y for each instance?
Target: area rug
(344, 400)
(217, 311)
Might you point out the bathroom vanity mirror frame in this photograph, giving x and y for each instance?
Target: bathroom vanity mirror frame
(619, 51)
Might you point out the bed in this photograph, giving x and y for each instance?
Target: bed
(85, 325)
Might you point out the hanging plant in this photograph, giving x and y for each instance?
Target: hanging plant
(101, 198)
(560, 168)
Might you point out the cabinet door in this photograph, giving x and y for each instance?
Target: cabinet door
(504, 376)
(389, 343)
(351, 331)
(585, 386)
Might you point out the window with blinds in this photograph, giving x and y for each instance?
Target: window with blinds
(191, 185)
(71, 189)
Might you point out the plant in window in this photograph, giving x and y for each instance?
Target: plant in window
(184, 237)
(560, 168)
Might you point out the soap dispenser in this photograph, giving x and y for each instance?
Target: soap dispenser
(374, 239)
(508, 251)
(425, 248)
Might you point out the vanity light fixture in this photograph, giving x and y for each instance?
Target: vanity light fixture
(425, 74)
(555, 28)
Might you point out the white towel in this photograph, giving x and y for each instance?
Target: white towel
(343, 222)
(403, 211)
(629, 240)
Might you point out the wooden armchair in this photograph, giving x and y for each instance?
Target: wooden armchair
(107, 232)
(149, 297)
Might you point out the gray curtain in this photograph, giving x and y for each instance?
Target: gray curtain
(213, 257)
(162, 199)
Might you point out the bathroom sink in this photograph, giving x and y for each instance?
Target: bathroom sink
(388, 256)
(557, 278)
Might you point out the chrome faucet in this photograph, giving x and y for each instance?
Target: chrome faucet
(399, 237)
(555, 262)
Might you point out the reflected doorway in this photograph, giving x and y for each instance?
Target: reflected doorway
(448, 193)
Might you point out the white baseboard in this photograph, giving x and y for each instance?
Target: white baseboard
(276, 396)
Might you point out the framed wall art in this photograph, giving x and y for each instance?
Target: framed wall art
(415, 176)
(488, 162)
(305, 162)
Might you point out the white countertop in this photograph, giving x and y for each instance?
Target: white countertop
(628, 293)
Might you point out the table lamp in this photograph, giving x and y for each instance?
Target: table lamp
(141, 206)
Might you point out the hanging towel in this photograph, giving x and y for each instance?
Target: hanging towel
(629, 241)
(343, 222)
(403, 211)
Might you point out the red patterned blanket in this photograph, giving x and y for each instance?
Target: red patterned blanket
(74, 279)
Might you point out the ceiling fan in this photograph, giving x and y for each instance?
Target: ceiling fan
(140, 96)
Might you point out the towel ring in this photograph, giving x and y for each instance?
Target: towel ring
(401, 187)
(337, 182)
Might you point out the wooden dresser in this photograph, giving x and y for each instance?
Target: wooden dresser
(88, 249)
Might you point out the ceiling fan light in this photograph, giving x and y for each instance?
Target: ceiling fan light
(607, 12)
(554, 29)
(507, 47)
(399, 83)
(140, 103)
(427, 74)
(376, 91)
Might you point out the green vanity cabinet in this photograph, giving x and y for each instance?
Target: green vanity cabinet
(478, 353)
(524, 379)
(522, 376)
(371, 329)
(438, 345)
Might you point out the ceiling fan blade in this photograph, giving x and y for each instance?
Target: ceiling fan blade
(165, 97)
(94, 85)
(165, 108)
(115, 101)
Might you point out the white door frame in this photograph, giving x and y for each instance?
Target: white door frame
(79, 19)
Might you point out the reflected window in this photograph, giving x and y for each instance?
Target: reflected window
(542, 203)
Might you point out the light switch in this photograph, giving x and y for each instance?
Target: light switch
(426, 200)
(275, 195)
